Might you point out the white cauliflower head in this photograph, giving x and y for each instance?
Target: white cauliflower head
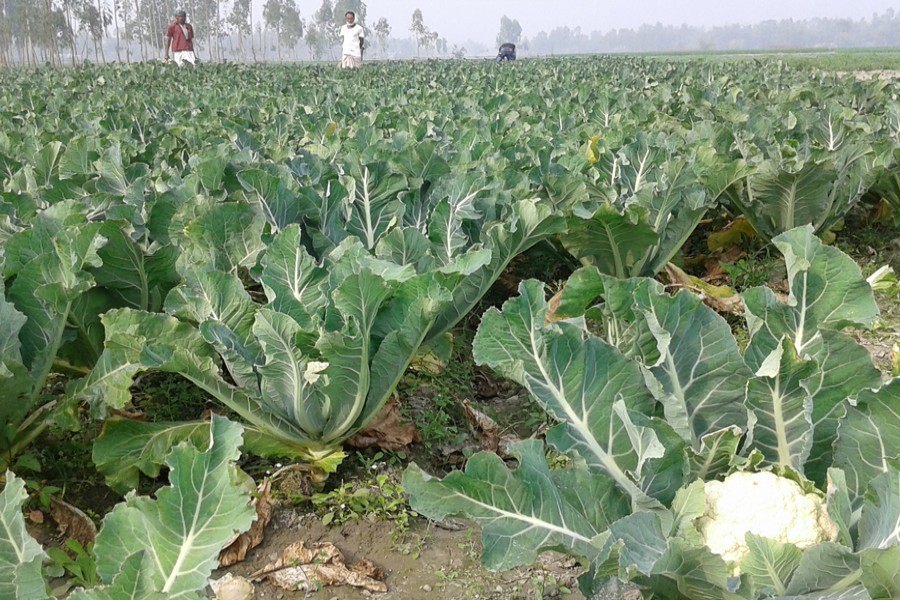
(313, 371)
(763, 504)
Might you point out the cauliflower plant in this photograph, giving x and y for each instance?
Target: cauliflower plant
(763, 504)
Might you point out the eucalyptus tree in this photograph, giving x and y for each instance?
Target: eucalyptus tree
(510, 31)
(93, 18)
(283, 17)
(240, 20)
(425, 38)
(382, 31)
(32, 32)
(321, 35)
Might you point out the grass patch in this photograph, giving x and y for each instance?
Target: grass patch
(846, 59)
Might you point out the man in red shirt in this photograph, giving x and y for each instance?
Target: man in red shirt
(180, 38)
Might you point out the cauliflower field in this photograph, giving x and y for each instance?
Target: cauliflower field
(296, 242)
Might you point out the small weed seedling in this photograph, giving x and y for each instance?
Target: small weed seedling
(78, 563)
(751, 272)
(436, 422)
(372, 499)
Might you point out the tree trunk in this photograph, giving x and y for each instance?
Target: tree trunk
(115, 10)
(53, 50)
(140, 33)
(29, 44)
(128, 32)
(262, 44)
(153, 34)
(241, 44)
(71, 26)
(252, 45)
(99, 42)
(219, 31)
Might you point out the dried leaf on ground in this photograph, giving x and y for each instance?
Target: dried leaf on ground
(491, 437)
(487, 429)
(231, 587)
(73, 524)
(715, 274)
(388, 431)
(720, 298)
(735, 234)
(303, 567)
(250, 539)
(134, 415)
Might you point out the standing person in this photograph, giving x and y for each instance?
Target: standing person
(180, 38)
(353, 37)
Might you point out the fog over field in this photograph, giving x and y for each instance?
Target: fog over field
(478, 20)
(73, 31)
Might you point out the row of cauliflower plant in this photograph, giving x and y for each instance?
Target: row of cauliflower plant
(135, 206)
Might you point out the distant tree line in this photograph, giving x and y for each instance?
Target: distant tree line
(881, 30)
(60, 32)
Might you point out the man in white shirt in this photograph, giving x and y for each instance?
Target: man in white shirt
(353, 37)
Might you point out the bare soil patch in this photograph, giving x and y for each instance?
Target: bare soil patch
(877, 74)
(428, 562)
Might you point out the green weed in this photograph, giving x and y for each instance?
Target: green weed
(436, 422)
(378, 498)
(78, 563)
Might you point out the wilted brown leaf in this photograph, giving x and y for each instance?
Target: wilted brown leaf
(552, 307)
(134, 415)
(247, 541)
(73, 524)
(486, 428)
(492, 438)
(303, 567)
(720, 298)
(736, 233)
(715, 274)
(388, 431)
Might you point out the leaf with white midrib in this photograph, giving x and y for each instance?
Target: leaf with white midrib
(782, 407)
(825, 568)
(770, 563)
(374, 203)
(189, 523)
(702, 377)
(20, 555)
(868, 437)
(525, 511)
(577, 378)
(294, 283)
(827, 291)
(879, 522)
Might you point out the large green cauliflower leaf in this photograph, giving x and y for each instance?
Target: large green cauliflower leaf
(20, 554)
(184, 529)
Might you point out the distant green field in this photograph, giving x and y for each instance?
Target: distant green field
(863, 59)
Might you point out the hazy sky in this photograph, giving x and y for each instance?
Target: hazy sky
(479, 20)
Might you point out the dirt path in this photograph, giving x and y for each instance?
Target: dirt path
(868, 75)
(426, 562)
